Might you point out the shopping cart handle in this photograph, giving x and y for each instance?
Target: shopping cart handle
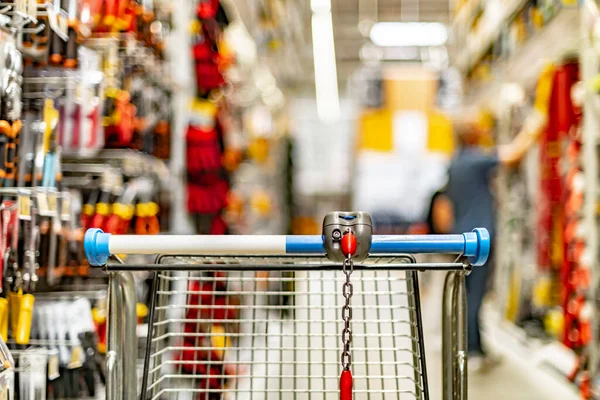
(99, 246)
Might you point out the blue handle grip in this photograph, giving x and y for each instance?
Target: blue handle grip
(475, 245)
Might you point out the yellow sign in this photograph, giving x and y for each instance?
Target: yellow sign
(440, 138)
(375, 131)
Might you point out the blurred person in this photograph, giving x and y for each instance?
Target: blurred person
(470, 195)
(440, 218)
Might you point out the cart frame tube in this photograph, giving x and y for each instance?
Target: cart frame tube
(454, 337)
(121, 381)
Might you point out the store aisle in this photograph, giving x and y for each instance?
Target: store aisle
(508, 380)
(511, 379)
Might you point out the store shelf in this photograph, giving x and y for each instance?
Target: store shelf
(478, 43)
(547, 362)
(465, 16)
(558, 38)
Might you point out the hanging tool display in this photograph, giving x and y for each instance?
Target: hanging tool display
(575, 277)
(78, 76)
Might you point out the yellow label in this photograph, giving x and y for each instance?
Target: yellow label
(24, 207)
(53, 365)
(52, 203)
(75, 361)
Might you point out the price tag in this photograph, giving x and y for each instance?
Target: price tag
(106, 182)
(76, 355)
(32, 8)
(21, 6)
(52, 204)
(65, 209)
(53, 365)
(25, 207)
(42, 203)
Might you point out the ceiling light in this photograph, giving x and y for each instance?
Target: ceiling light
(320, 6)
(326, 85)
(398, 34)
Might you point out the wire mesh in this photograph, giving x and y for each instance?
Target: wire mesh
(277, 334)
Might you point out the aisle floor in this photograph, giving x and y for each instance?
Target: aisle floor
(510, 379)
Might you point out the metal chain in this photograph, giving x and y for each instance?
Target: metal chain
(347, 291)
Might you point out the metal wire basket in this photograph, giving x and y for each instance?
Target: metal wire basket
(248, 326)
(275, 334)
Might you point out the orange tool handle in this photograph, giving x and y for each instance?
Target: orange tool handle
(147, 226)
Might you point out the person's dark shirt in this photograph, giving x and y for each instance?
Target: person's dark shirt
(469, 190)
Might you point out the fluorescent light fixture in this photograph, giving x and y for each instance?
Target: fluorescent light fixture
(326, 85)
(399, 34)
(320, 6)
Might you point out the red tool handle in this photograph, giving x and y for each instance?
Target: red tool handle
(346, 385)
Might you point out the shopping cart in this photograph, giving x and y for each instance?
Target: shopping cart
(268, 317)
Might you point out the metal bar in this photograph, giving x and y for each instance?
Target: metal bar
(447, 375)
(114, 376)
(159, 330)
(98, 169)
(283, 267)
(421, 335)
(24, 191)
(323, 321)
(295, 347)
(394, 334)
(152, 309)
(365, 336)
(459, 300)
(122, 339)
